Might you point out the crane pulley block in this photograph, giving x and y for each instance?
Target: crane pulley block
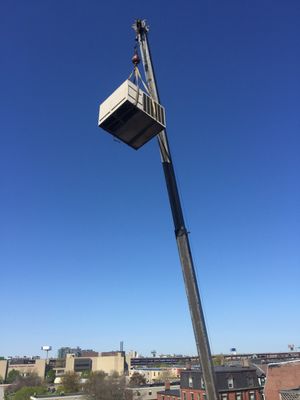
(131, 115)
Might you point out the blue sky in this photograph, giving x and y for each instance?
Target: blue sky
(87, 250)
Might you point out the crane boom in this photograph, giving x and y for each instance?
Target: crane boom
(181, 233)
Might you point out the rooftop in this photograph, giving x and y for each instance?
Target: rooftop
(170, 392)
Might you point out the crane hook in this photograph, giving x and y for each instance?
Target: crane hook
(135, 59)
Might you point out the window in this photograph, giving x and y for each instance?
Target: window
(224, 396)
(198, 396)
(192, 396)
(190, 382)
(238, 396)
(202, 383)
(251, 395)
(250, 380)
(183, 395)
(204, 396)
(230, 383)
(149, 393)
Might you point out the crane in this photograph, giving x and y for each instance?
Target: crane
(181, 232)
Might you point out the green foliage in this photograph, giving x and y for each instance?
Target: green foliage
(86, 374)
(218, 359)
(50, 376)
(60, 390)
(71, 382)
(1, 380)
(25, 392)
(12, 376)
(137, 380)
(19, 381)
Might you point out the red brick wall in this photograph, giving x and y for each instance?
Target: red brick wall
(281, 376)
(189, 391)
(166, 397)
(231, 395)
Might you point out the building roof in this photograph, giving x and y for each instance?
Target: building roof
(147, 369)
(170, 392)
(243, 378)
(295, 390)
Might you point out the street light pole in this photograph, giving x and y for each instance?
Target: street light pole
(181, 233)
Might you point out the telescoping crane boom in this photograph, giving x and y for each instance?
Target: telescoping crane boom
(181, 233)
(135, 117)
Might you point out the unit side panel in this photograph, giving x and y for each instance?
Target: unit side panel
(135, 95)
(118, 97)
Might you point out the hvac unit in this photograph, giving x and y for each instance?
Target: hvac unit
(131, 115)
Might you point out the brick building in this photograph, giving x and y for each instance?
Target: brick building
(281, 376)
(169, 393)
(233, 383)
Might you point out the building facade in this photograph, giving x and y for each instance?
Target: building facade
(233, 383)
(106, 362)
(153, 375)
(281, 376)
(151, 392)
(23, 365)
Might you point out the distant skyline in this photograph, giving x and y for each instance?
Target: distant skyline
(54, 352)
(87, 250)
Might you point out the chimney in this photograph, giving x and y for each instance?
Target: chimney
(167, 385)
(189, 366)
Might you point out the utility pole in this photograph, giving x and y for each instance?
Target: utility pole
(181, 233)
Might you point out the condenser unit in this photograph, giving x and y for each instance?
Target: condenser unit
(131, 115)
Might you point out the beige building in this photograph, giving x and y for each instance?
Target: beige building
(3, 387)
(149, 392)
(107, 362)
(24, 366)
(152, 375)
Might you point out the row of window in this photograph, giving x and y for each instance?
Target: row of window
(224, 396)
(194, 396)
(169, 398)
(230, 382)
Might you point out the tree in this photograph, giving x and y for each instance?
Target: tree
(85, 374)
(218, 359)
(95, 387)
(71, 382)
(19, 382)
(50, 376)
(30, 380)
(165, 375)
(137, 380)
(25, 392)
(102, 387)
(12, 376)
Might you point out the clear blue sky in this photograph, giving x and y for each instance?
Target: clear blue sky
(87, 249)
